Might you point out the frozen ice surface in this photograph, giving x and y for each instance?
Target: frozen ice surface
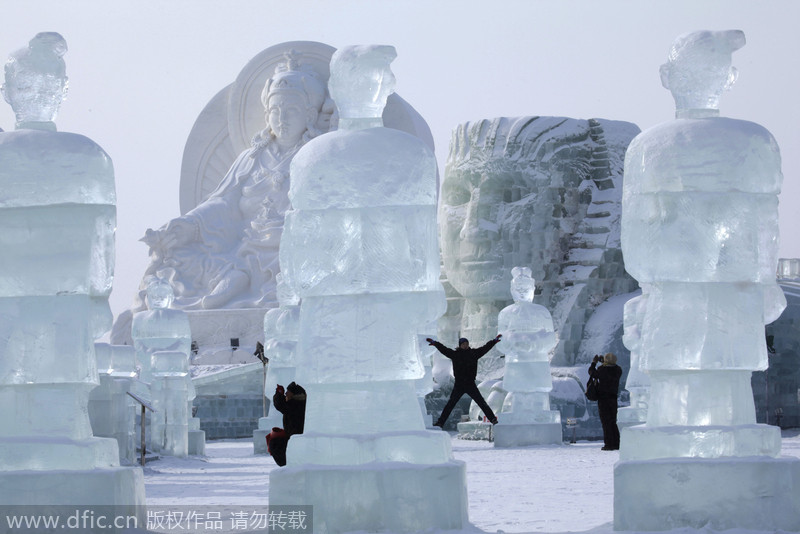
(111, 409)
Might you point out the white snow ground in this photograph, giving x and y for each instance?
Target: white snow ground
(567, 488)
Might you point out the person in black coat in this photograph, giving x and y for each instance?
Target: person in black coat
(465, 369)
(292, 404)
(608, 375)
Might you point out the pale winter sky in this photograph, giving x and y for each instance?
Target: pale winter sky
(141, 72)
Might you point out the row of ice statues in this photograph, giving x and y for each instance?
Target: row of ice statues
(359, 252)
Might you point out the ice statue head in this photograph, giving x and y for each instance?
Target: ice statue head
(361, 81)
(36, 80)
(292, 100)
(159, 294)
(522, 285)
(699, 70)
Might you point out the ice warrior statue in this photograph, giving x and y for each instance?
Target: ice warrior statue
(360, 249)
(57, 214)
(700, 233)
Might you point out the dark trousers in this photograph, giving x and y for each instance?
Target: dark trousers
(459, 389)
(608, 418)
(277, 441)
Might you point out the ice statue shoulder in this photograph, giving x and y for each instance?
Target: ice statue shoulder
(35, 85)
(346, 179)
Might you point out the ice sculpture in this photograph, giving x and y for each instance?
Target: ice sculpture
(538, 192)
(58, 215)
(170, 389)
(360, 249)
(224, 252)
(700, 232)
(111, 409)
(529, 338)
(280, 339)
(162, 328)
(638, 381)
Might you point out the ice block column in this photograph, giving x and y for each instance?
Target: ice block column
(162, 328)
(111, 409)
(58, 216)
(360, 249)
(700, 232)
(171, 381)
(638, 381)
(528, 341)
(280, 340)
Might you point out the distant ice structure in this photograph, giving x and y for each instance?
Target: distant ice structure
(58, 215)
(280, 340)
(538, 192)
(162, 328)
(700, 233)
(528, 339)
(638, 382)
(170, 385)
(360, 249)
(111, 409)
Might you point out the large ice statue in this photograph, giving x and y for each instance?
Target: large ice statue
(700, 231)
(163, 328)
(360, 249)
(538, 192)
(529, 338)
(58, 215)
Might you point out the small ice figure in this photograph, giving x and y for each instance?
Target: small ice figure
(528, 341)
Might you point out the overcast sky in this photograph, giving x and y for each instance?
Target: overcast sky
(141, 72)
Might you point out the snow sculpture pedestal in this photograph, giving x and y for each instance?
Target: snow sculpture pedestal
(528, 338)
(360, 249)
(57, 215)
(699, 231)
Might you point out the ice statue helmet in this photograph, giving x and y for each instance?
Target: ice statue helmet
(36, 80)
(294, 77)
(699, 69)
(159, 294)
(358, 95)
(522, 285)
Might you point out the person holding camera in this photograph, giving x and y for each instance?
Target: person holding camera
(465, 370)
(608, 375)
(291, 402)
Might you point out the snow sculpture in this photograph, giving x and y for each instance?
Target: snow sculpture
(280, 336)
(57, 212)
(224, 252)
(700, 231)
(638, 381)
(162, 328)
(360, 249)
(538, 192)
(528, 336)
(111, 409)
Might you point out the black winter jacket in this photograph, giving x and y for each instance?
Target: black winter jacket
(294, 412)
(465, 361)
(608, 377)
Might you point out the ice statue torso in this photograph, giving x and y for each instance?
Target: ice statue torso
(335, 185)
(688, 170)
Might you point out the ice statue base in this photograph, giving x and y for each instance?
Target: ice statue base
(197, 443)
(116, 490)
(699, 493)
(644, 442)
(380, 497)
(475, 430)
(521, 435)
(213, 331)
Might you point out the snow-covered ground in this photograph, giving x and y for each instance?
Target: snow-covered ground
(567, 488)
